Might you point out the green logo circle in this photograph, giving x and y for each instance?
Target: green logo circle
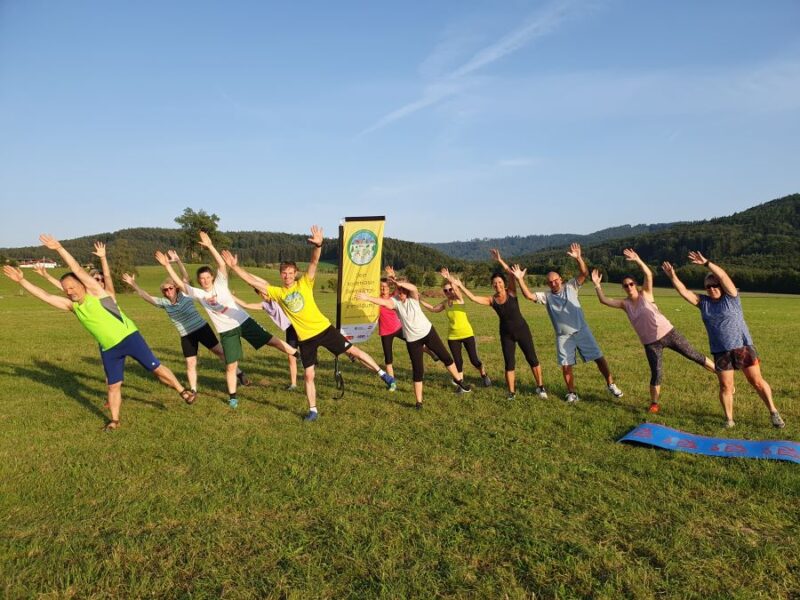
(362, 247)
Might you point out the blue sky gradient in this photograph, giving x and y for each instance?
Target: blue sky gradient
(454, 119)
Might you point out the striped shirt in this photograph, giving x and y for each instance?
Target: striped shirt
(183, 314)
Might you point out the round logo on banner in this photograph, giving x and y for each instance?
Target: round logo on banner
(362, 247)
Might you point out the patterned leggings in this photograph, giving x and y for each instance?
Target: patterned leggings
(674, 341)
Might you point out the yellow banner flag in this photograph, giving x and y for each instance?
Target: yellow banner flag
(360, 251)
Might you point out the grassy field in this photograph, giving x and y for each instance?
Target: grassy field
(474, 496)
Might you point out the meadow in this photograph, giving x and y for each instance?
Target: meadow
(474, 496)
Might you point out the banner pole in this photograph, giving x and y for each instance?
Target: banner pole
(337, 373)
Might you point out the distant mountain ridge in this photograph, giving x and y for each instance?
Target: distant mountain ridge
(478, 249)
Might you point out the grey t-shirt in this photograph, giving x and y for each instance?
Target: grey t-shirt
(564, 308)
(415, 324)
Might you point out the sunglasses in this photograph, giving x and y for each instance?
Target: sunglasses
(446, 290)
(166, 289)
(629, 284)
(711, 286)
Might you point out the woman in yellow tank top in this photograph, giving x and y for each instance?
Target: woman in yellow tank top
(460, 331)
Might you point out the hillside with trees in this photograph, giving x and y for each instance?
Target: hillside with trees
(759, 247)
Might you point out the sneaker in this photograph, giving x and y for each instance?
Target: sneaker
(418, 406)
(311, 416)
(233, 403)
(729, 424)
(486, 381)
(615, 391)
(571, 398)
(242, 378)
(462, 387)
(511, 396)
(777, 422)
(541, 392)
(290, 388)
(391, 383)
(654, 407)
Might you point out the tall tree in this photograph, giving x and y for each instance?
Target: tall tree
(192, 223)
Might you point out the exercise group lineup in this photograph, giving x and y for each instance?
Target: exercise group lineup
(292, 307)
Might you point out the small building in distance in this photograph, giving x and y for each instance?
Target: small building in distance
(32, 263)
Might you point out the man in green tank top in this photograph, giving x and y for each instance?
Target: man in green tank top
(97, 311)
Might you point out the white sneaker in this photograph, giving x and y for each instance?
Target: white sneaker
(541, 392)
(571, 398)
(615, 391)
(777, 421)
(729, 424)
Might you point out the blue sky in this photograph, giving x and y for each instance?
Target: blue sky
(455, 119)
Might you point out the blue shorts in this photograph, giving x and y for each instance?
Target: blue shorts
(133, 346)
(582, 342)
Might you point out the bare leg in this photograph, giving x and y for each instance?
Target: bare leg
(115, 399)
(230, 376)
(364, 358)
(709, 366)
(603, 366)
(389, 369)
(454, 372)
(760, 385)
(292, 371)
(655, 393)
(191, 371)
(511, 381)
(168, 378)
(569, 378)
(217, 350)
(418, 391)
(278, 343)
(537, 375)
(726, 393)
(311, 389)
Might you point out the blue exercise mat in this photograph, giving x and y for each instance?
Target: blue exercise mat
(651, 434)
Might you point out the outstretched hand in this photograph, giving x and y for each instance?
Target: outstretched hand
(129, 279)
(50, 241)
(40, 270)
(495, 253)
(630, 254)
(13, 273)
(697, 258)
(574, 251)
(316, 236)
(173, 256)
(230, 259)
(668, 269)
(162, 258)
(518, 272)
(390, 272)
(445, 273)
(99, 249)
(205, 240)
(362, 296)
(596, 276)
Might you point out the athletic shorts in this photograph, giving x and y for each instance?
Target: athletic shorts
(330, 339)
(581, 342)
(736, 359)
(133, 346)
(291, 337)
(190, 343)
(250, 330)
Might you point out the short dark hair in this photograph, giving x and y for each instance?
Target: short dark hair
(501, 275)
(204, 269)
(285, 264)
(70, 274)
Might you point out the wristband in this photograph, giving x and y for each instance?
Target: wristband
(705, 264)
(317, 245)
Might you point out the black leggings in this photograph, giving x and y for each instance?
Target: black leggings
(674, 341)
(386, 342)
(509, 342)
(435, 345)
(472, 352)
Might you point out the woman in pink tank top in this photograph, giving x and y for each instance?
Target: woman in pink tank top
(654, 329)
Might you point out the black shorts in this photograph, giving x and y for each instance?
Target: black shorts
(736, 359)
(190, 343)
(330, 339)
(291, 337)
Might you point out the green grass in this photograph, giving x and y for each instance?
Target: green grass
(472, 497)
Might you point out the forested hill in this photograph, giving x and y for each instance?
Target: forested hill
(759, 247)
(253, 247)
(478, 249)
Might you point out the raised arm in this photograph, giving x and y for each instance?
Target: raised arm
(684, 292)
(108, 284)
(518, 273)
(247, 305)
(163, 260)
(612, 302)
(365, 297)
(254, 281)
(496, 256)
(724, 279)
(484, 300)
(647, 285)
(87, 280)
(444, 272)
(316, 241)
(16, 275)
(205, 242)
(131, 281)
(583, 271)
(433, 308)
(40, 270)
(412, 290)
(174, 258)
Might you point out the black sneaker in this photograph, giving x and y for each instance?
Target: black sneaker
(463, 387)
(242, 378)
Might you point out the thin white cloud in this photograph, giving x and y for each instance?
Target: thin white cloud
(536, 26)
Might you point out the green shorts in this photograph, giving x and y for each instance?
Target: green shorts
(250, 330)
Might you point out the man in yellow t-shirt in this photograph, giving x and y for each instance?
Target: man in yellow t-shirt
(296, 298)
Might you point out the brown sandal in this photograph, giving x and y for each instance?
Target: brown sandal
(188, 396)
(111, 425)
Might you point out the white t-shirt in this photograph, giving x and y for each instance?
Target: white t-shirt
(219, 304)
(415, 324)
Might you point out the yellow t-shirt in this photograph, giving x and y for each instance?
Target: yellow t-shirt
(297, 301)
